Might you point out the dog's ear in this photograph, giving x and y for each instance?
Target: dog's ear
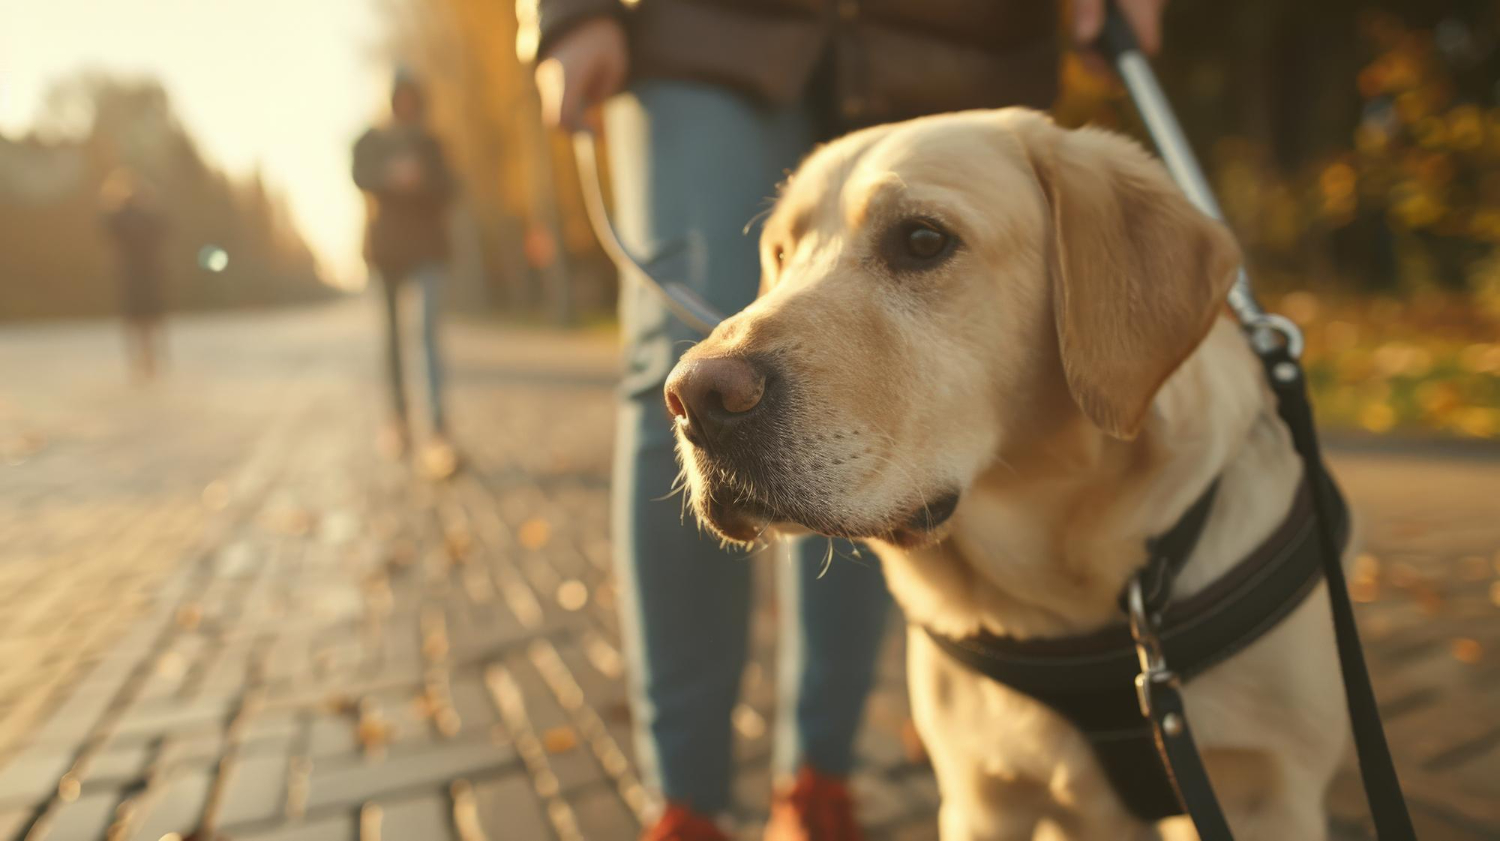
(1138, 274)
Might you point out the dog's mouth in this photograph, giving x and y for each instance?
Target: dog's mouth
(740, 521)
(743, 518)
(925, 524)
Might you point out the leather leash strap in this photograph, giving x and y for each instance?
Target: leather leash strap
(1158, 687)
(1377, 768)
(1382, 787)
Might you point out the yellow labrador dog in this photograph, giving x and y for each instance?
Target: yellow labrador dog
(997, 350)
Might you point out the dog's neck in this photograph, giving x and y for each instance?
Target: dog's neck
(1045, 539)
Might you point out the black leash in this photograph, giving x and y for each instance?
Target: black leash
(1158, 688)
(1376, 767)
(1278, 345)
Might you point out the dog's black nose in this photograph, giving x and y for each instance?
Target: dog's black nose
(709, 396)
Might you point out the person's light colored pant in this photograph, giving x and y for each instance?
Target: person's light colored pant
(694, 164)
(429, 278)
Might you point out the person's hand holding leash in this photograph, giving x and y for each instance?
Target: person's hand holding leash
(1144, 17)
(586, 67)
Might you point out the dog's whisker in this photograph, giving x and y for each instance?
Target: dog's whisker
(827, 560)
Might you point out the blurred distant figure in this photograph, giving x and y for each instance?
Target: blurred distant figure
(134, 222)
(408, 186)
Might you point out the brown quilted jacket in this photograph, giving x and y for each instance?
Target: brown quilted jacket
(883, 60)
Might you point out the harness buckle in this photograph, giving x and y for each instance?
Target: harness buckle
(1148, 647)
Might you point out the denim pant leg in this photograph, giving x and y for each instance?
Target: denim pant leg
(390, 295)
(834, 609)
(692, 164)
(430, 278)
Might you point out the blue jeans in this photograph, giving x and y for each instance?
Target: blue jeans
(694, 163)
(429, 279)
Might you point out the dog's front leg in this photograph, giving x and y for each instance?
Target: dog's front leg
(977, 807)
(950, 714)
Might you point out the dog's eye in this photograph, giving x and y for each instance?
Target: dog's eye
(916, 244)
(925, 243)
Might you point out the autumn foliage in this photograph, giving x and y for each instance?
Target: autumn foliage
(55, 259)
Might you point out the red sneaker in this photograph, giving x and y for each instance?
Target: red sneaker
(813, 808)
(679, 823)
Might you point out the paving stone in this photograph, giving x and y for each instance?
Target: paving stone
(1430, 825)
(569, 758)
(603, 816)
(85, 818)
(476, 712)
(406, 725)
(332, 735)
(121, 763)
(421, 818)
(1447, 727)
(508, 808)
(33, 774)
(273, 731)
(1471, 789)
(178, 808)
(11, 822)
(881, 802)
(288, 658)
(256, 790)
(920, 830)
(73, 720)
(351, 782)
(338, 828)
(923, 788)
(226, 675)
(162, 716)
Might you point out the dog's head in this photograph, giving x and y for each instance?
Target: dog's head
(937, 296)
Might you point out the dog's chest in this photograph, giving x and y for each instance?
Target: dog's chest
(968, 722)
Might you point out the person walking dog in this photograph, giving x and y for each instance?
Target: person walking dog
(717, 101)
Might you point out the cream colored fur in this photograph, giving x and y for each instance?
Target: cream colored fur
(1070, 372)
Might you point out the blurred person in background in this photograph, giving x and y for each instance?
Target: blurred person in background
(408, 188)
(136, 228)
(722, 98)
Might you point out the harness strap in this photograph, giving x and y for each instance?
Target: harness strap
(1089, 679)
(1168, 553)
(1196, 632)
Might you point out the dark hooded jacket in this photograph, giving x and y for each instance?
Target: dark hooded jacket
(406, 228)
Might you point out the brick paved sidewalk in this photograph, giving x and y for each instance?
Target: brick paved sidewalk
(221, 613)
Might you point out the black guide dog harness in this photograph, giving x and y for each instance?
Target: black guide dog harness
(1132, 710)
(1090, 679)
